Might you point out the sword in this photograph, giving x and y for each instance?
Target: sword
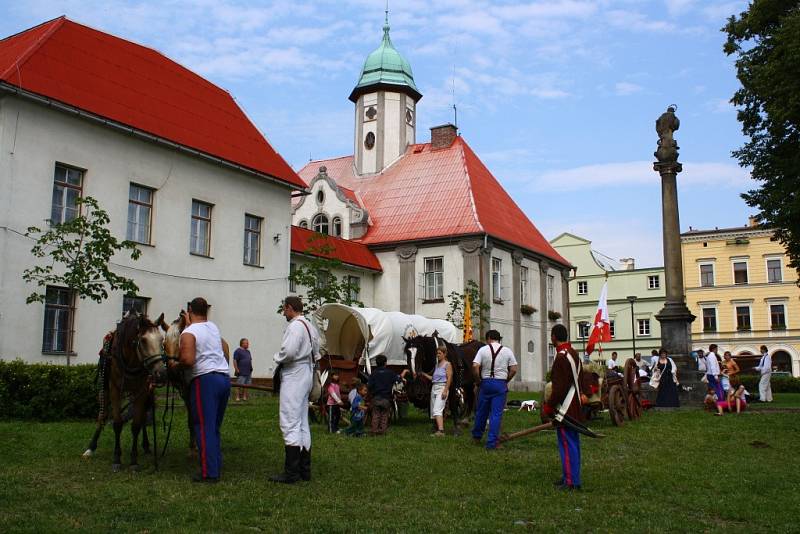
(567, 421)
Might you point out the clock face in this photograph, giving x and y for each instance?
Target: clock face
(410, 117)
(369, 140)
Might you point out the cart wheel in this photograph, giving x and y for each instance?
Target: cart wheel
(634, 407)
(616, 405)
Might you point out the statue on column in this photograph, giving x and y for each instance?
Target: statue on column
(666, 125)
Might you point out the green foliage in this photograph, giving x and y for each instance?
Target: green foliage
(80, 251)
(765, 39)
(46, 392)
(553, 315)
(478, 307)
(527, 309)
(780, 384)
(316, 277)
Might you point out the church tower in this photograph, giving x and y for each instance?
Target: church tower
(386, 99)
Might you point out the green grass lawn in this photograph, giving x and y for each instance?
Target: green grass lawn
(671, 471)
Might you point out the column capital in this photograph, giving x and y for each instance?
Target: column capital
(671, 167)
(406, 253)
(544, 267)
(517, 256)
(470, 247)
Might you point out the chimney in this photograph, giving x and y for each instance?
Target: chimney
(752, 221)
(443, 136)
(628, 264)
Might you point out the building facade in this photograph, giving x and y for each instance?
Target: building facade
(634, 327)
(210, 220)
(744, 295)
(435, 218)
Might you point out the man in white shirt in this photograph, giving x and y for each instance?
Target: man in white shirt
(611, 363)
(765, 368)
(494, 366)
(713, 372)
(296, 361)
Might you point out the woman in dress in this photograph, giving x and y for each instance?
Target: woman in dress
(441, 379)
(668, 381)
(730, 372)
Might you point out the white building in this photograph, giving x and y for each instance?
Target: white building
(435, 218)
(174, 161)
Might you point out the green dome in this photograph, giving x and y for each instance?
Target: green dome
(386, 67)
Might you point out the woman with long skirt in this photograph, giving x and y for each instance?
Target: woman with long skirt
(668, 384)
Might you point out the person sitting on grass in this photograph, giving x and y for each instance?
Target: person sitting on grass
(710, 400)
(334, 403)
(358, 412)
(736, 401)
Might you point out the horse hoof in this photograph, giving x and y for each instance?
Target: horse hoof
(116, 467)
(88, 453)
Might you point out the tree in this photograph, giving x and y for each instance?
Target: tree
(317, 278)
(765, 40)
(79, 252)
(478, 308)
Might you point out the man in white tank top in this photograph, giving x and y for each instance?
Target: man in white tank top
(201, 350)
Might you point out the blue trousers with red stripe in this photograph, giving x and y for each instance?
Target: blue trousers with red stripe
(569, 447)
(716, 386)
(491, 401)
(209, 395)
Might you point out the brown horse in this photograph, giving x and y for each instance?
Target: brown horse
(133, 366)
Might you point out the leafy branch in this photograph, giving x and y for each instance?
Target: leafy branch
(478, 307)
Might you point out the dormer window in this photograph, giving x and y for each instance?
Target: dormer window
(320, 223)
(337, 226)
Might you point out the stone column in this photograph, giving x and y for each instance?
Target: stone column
(471, 253)
(675, 317)
(517, 314)
(407, 257)
(544, 334)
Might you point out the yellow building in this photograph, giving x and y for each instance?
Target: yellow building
(744, 294)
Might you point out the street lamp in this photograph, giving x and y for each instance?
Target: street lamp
(632, 299)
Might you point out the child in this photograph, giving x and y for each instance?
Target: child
(710, 401)
(334, 403)
(358, 411)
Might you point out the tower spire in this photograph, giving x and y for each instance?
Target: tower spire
(386, 22)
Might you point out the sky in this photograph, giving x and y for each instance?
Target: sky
(558, 97)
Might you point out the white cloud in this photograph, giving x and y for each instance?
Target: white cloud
(721, 105)
(700, 175)
(626, 88)
(637, 22)
(678, 7)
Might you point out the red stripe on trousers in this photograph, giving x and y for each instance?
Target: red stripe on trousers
(202, 428)
(567, 467)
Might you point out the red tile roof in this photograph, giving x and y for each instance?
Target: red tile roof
(432, 193)
(349, 252)
(138, 87)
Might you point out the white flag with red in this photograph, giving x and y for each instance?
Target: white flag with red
(601, 328)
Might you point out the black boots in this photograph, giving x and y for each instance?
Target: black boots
(305, 464)
(291, 466)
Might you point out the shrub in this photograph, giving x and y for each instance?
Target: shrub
(47, 392)
(780, 384)
(553, 315)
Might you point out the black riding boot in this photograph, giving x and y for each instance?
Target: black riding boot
(305, 464)
(291, 466)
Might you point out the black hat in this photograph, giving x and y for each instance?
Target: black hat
(493, 334)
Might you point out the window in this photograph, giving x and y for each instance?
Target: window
(583, 329)
(323, 279)
(303, 223)
(653, 281)
(777, 316)
(58, 315)
(355, 288)
(497, 267)
(612, 328)
(551, 283)
(523, 285)
(644, 327)
(740, 272)
(707, 275)
(320, 197)
(709, 319)
(137, 304)
(743, 317)
(67, 189)
(434, 278)
(200, 239)
(252, 240)
(530, 346)
(583, 288)
(140, 211)
(320, 223)
(292, 284)
(337, 226)
(774, 271)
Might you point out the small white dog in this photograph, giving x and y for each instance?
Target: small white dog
(529, 406)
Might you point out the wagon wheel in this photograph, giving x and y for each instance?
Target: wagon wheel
(634, 406)
(616, 405)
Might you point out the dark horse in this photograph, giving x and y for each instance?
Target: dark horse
(421, 356)
(131, 367)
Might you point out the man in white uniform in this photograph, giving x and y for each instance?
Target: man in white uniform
(494, 367)
(296, 361)
(611, 363)
(765, 368)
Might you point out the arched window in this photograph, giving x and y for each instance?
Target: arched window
(303, 224)
(320, 223)
(337, 226)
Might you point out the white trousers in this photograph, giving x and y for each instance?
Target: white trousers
(295, 388)
(765, 388)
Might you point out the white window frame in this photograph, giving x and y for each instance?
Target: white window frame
(303, 224)
(524, 285)
(776, 302)
(779, 259)
(746, 262)
(249, 244)
(612, 328)
(737, 305)
(139, 206)
(65, 187)
(336, 222)
(192, 248)
(551, 355)
(355, 287)
(651, 278)
(551, 286)
(433, 279)
(587, 325)
(713, 273)
(317, 224)
(643, 332)
(585, 287)
(716, 317)
(497, 274)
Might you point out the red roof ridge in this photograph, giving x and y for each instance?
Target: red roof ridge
(309, 162)
(461, 143)
(54, 24)
(348, 251)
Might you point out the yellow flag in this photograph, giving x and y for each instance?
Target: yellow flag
(467, 320)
